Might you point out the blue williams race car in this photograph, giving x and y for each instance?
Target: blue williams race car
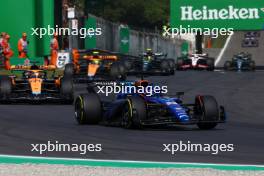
(135, 110)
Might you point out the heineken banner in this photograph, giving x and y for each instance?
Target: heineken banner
(124, 40)
(236, 14)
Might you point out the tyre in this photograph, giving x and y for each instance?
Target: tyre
(66, 89)
(252, 65)
(122, 72)
(88, 109)
(127, 115)
(127, 64)
(69, 70)
(134, 119)
(172, 66)
(206, 107)
(165, 67)
(211, 64)
(180, 62)
(227, 65)
(5, 86)
(118, 71)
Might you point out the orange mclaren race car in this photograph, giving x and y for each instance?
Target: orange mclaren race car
(35, 87)
(95, 65)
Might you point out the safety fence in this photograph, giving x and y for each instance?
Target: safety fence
(136, 42)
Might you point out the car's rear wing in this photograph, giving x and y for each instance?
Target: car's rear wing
(102, 54)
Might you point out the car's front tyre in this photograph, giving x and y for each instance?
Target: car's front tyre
(5, 87)
(66, 90)
(135, 112)
(88, 109)
(207, 109)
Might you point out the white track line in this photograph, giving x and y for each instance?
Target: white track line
(223, 50)
(129, 161)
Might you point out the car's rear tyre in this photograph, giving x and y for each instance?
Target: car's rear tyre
(66, 89)
(180, 63)
(227, 65)
(206, 107)
(5, 86)
(139, 105)
(172, 66)
(211, 64)
(69, 69)
(88, 109)
(127, 64)
(118, 71)
(252, 65)
(165, 67)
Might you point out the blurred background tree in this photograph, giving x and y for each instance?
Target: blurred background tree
(136, 13)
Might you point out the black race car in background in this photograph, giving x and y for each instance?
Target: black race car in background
(196, 61)
(240, 62)
(150, 63)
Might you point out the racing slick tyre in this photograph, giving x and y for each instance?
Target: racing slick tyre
(165, 67)
(207, 108)
(127, 64)
(172, 66)
(69, 70)
(211, 64)
(252, 66)
(118, 71)
(180, 62)
(135, 111)
(5, 86)
(66, 89)
(227, 65)
(88, 109)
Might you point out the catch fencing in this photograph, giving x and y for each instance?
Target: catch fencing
(139, 41)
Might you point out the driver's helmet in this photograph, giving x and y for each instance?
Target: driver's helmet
(149, 55)
(242, 54)
(95, 54)
(96, 61)
(32, 74)
(149, 52)
(143, 83)
(34, 67)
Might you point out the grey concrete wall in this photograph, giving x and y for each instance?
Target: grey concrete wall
(213, 52)
(235, 47)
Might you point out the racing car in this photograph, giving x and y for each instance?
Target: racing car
(94, 65)
(136, 110)
(2, 58)
(196, 61)
(35, 87)
(150, 63)
(241, 61)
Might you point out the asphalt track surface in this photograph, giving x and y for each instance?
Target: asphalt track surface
(241, 94)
